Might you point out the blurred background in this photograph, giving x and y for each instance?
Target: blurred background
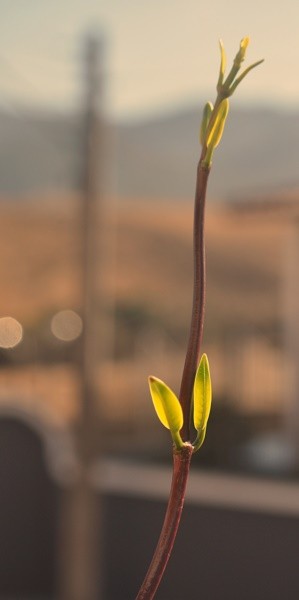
(100, 108)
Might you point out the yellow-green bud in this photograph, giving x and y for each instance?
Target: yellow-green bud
(215, 134)
(242, 51)
(222, 66)
(202, 399)
(206, 115)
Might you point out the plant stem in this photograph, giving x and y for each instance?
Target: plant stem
(182, 458)
(199, 293)
(181, 464)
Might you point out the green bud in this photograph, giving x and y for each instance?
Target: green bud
(222, 66)
(202, 400)
(168, 408)
(226, 88)
(240, 56)
(216, 132)
(202, 394)
(207, 111)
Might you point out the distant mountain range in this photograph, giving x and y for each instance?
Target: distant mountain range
(153, 158)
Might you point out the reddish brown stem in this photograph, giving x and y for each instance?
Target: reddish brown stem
(197, 318)
(181, 464)
(182, 458)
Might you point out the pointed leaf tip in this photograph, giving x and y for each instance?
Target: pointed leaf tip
(202, 394)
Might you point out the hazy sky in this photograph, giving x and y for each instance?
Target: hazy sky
(159, 53)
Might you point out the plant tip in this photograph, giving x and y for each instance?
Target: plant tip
(245, 42)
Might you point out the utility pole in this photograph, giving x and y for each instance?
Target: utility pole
(80, 568)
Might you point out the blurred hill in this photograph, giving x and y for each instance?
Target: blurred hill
(39, 151)
(260, 151)
(155, 158)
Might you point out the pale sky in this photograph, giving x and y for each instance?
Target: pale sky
(159, 53)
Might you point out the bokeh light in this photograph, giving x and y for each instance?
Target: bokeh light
(66, 325)
(11, 332)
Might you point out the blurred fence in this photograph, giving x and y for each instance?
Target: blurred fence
(239, 537)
